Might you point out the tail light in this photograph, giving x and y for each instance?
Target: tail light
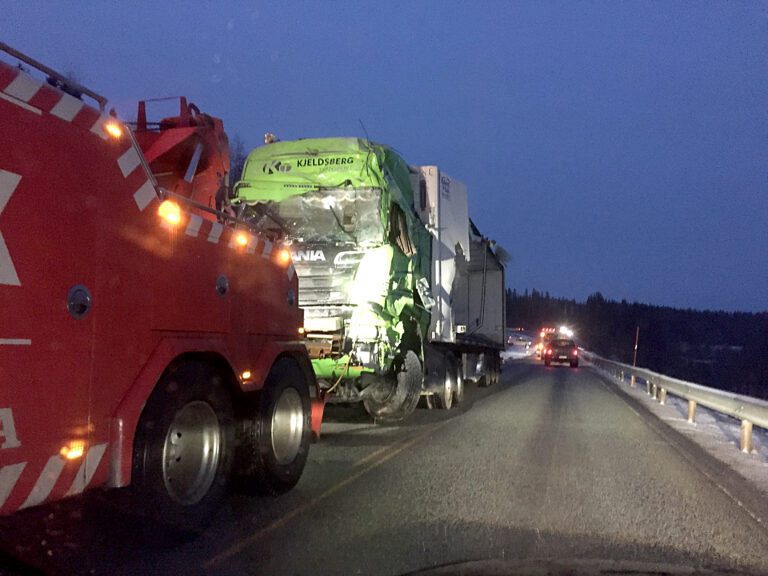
(549, 351)
(575, 352)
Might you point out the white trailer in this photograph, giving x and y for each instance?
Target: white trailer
(466, 330)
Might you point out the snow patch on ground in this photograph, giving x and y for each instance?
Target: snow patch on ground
(717, 433)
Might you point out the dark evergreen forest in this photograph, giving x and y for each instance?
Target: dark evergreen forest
(727, 350)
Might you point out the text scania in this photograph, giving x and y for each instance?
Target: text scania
(308, 256)
(337, 160)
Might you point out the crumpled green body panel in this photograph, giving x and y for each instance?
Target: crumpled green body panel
(283, 169)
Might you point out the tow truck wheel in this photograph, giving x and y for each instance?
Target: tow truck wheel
(458, 383)
(444, 396)
(392, 401)
(183, 451)
(274, 440)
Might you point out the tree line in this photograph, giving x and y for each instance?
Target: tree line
(727, 350)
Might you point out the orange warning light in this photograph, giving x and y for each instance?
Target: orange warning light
(74, 450)
(241, 238)
(283, 257)
(114, 129)
(170, 212)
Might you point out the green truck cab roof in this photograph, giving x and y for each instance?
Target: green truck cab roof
(283, 169)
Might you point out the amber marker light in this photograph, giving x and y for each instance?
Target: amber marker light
(170, 212)
(114, 129)
(241, 239)
(283, 257)
(74, 450)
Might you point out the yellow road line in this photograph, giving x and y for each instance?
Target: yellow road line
(373, 460)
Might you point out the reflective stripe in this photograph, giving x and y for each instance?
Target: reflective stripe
(15, 342)
(193, 227)
(67, 108)
(23, 87)
(8, 183)
(98, 127)
(129, 161)
(267, 249)
(215, 233)
(144, 195)
(46, 482)
(21, 104)
(87, 469)
(9, 475)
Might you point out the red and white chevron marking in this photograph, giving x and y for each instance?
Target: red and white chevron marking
(47, 478)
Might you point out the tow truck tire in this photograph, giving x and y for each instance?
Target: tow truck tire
(458, 383)
(394, 401)
(183, 449)
(274, 441)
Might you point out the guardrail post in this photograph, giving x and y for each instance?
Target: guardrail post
(632, 381)
(622, 375)
(691, 411)
(648, 387)
(663, 396)
(654, 391)
(746, 436)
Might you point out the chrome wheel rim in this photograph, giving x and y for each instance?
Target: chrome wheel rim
(287, 426)
(191, 453)
(448, 390)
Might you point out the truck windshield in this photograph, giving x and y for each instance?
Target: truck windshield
(327, 216)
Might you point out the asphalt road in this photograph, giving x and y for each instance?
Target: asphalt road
(552, 463)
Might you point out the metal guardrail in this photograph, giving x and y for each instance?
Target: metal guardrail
(751, 411)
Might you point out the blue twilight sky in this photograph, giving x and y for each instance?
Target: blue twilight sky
(611, 146)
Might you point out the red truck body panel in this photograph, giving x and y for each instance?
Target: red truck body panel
(78, 208)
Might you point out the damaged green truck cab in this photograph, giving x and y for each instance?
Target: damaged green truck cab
(362, 258)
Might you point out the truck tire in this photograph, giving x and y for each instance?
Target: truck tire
(274, 439)
(488, 377)
(184, 447)
(458, 383)
(393, 401)
(444, 396)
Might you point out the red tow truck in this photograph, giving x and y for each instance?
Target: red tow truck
(148, 339)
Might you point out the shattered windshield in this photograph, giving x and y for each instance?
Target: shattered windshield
(325, 216)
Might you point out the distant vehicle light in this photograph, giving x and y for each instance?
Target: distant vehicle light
(113, 129)
(575, 352)
(170, 212)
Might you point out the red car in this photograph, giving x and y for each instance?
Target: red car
(562, 350)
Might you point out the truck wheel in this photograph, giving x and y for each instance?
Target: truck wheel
(274, 439)
(487, 379)
(458, 383)
(392, 401)
(444, 396)
(183, 450)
